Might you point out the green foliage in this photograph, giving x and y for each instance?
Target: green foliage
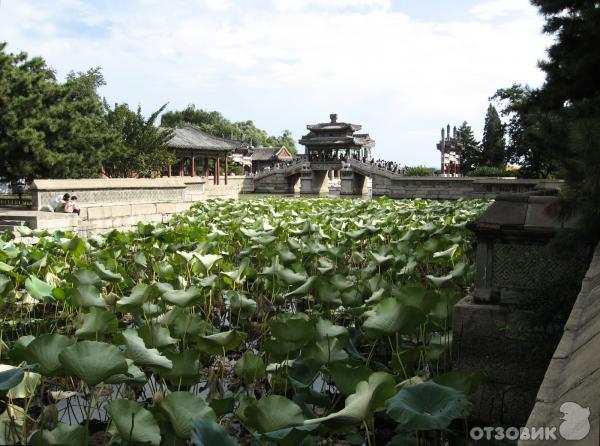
(418, 171)
(139, 148)
(559, 123)
(493, 151)
(535, 135)
(214, 123)
(299, 317)
(471, 153)
(489, 171)
(49, 129)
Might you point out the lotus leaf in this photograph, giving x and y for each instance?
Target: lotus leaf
(93, 361)
(182, 410)
(427, 406)
(140, 354)
(134, 423)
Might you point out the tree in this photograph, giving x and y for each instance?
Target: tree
(572, 93)
(471, 152)
(49, 129)
(214, 123)
(535, 134)
(139, 148)
(493, 144)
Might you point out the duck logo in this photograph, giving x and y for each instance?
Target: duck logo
(576, 424)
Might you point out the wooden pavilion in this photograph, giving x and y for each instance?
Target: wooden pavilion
(196, 150)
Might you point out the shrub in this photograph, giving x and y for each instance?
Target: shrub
(489, 171)
(418, 171)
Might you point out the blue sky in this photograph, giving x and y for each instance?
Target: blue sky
(401, 68)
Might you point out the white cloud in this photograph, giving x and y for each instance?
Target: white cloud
(296, 5)
(400, 77)
(497, 8)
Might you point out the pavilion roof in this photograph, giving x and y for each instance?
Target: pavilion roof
(268, 153)
(192, 138)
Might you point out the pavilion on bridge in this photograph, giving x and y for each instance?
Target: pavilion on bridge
(336, 141)
(199, 152)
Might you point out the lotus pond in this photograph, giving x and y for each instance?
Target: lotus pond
(267, 321)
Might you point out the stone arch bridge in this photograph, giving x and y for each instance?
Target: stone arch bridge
(359, 178)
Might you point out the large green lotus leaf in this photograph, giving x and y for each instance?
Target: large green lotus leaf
(93, 361)
(62, 435)
(183, 298)
(295, 328)
(38, 289)
(96, 323)
(240, 304)
(389, 316)
(18, 352)
(134, 423)
(237, 275)
(106, 274)
(326, 329)
(220, 343)
(376, 296)
(139, 295)
(156, 335)
(207, 432)
(341, 283)
(86, 277)
(141, 355)
(186, 368)
(250, 367)
(5, 267)
(352, 297)
(4, 283)
(133, 375)
(273, 413)
(291, 277)
(45, 350)
(10, 376)
(326, 351)
(208, 260)
(380, 259)
(448, 253)
(303, 289)
(347, 376)
(327, 293)
(416, 296)
(427, 406)
(290, 436)
(87, 296)
(461, 380)
(369, 396)
(182, 410)
(458, 271)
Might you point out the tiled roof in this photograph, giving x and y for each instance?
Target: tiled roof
(189, 137)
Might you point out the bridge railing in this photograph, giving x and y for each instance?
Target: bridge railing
(296, 165)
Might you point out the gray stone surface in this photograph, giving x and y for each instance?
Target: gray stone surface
(574, 371)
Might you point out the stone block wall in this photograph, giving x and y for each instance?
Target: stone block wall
(573, 375)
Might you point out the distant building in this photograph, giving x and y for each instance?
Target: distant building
(199, 153)
(450, 149)
(336, 140)
(269, 156)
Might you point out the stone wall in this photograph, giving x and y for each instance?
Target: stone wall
(454, 188)
(573, 375)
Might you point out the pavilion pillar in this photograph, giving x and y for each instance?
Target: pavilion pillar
(218, 170)
(181, 172)
(193, 166)
(206, 168)
(215, 171)
(226, 166)
(169, 171)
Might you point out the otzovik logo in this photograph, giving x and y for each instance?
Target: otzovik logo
(575, 426)
(576, 421)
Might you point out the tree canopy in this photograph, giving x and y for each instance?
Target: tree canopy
(49, 129)
(214, 123)
(471, 152)
(493, 143)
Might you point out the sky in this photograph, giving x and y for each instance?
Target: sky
(402, 69)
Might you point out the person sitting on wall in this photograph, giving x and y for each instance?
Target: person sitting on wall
(61, 205)
(72, 206)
